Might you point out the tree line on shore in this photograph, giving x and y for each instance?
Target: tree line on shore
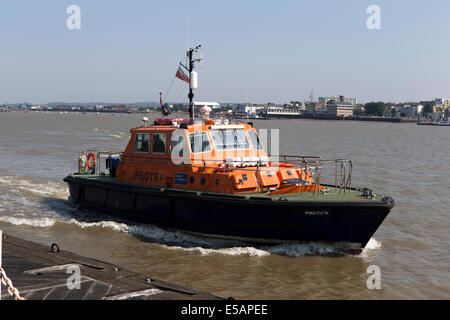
(379, 108)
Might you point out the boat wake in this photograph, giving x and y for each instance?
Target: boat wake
(43, 205)
(175, 240)
(17, 221)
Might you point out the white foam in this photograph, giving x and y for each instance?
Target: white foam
(176, 240)
(46, 189)
(122, 227)
(42, 223)
(372, 247)
(234, 251)
(175, 237)
(291, 250)
(307, 249)
(373, 244)
(155, 233)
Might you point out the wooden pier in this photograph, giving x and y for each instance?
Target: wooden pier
(45, 273)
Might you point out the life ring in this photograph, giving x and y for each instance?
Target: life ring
(91, 166)
(224, 168)
(284, 165)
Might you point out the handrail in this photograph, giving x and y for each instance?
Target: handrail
(105, 154)
(314, 164)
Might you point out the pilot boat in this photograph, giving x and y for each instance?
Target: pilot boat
(212, 177)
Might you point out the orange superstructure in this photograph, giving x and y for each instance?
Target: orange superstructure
(206, 156)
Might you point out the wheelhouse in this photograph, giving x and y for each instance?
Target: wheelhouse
(223, 158)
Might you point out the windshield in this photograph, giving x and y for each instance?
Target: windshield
(230, 139)
(255, 140)
(199, 142)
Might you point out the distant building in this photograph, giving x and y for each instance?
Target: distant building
(324, 100)
(245, 110)
(412, 110)
(277, 111)
(340, 108)
(299, 105)
(312, 107)
(321, 111)
(440, 105)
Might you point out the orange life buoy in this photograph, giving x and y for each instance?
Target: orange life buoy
(287, 165)
(91, 166)
(283, 164)
(224, 168)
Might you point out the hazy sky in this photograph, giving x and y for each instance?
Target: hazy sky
(272, 51)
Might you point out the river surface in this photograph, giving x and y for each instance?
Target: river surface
(408, 162)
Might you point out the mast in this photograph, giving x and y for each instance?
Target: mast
(191, 92)
(190, 54)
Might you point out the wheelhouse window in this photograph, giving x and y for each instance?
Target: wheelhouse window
(230, 139)
(178, 143)
(199, 142)
(159, 143)
(255, 140)
(142, 143)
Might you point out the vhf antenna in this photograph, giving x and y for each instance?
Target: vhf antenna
(192, 78)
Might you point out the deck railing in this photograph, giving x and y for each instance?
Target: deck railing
(339, 170)
(336, 174)
(105, 155)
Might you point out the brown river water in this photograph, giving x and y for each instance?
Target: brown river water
(405, 161)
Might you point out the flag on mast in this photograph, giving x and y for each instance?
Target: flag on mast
(182, 75)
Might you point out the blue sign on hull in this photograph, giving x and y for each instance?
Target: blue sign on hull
(181, 179)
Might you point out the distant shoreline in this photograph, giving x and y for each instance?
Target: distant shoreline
(332, 118)
(80, 111)
(273, 117)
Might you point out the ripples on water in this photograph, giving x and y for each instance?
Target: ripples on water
(403, 160)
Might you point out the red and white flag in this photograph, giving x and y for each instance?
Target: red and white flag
(182, 75)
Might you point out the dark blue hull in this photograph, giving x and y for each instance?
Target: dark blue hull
(229, 216)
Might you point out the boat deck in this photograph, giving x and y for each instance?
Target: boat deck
(332, 194)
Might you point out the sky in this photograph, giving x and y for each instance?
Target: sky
(256, 51)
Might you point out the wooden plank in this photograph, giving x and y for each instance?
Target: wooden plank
(50, 269)
(38, 273)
